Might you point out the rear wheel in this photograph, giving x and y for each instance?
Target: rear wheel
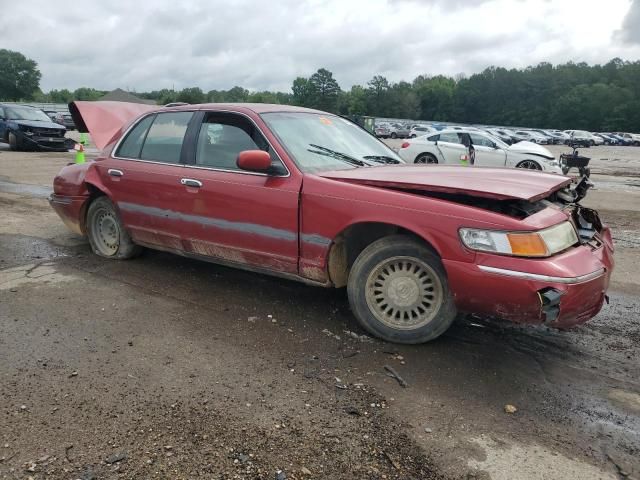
(14, 143)
(107, 235)
(394, 135)
(529, 165)
(398, 291)
(426, 158)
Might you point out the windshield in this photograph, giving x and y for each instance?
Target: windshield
(319, 143)
(26, 113)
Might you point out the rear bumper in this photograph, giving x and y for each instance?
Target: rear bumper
(71, 210)
(562, 291)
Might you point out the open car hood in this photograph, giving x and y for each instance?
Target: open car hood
(530, 147)
(103, 120)
(496, 183)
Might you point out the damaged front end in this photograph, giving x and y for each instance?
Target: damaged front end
(561, 289)
(42, 138)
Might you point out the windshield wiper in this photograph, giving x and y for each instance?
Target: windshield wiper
(339, 155)
(382, 159)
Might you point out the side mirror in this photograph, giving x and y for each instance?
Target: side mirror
(254, 161)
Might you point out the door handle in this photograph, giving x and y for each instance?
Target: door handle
(115, 173)
(190, 182)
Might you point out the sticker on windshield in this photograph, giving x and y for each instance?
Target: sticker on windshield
(325, 121)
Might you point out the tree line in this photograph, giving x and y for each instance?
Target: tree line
(570, 95)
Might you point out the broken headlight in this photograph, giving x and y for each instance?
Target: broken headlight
(542, 243)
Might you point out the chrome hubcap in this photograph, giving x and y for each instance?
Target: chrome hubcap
(404, 293)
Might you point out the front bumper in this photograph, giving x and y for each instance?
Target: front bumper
(561, 291)
(52, 143)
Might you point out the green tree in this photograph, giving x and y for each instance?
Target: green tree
(303, 92)
(378, 90)
(191, 95)
(60, 96)
(325, 89)
(87, 94)
(19, 76)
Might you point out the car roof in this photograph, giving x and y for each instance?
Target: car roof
(244, 107)
(459, 130)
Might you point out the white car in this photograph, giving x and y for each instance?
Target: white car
(633, 138)
(597, 139)
(531, 136)
(419, 130)
(450, 147)
(581, 137)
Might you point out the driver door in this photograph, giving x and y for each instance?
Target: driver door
(236, 216)
(488, 154)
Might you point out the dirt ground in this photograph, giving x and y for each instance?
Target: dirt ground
(164, 367)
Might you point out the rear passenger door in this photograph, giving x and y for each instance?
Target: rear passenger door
(236, 216)
(451, 148)
(144, 176)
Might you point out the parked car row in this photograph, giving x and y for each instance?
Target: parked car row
(511, 136)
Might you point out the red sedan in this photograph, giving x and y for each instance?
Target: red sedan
(310, 196)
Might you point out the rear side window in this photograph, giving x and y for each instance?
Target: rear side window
(164, 139)
(433, 138)
(132, 145)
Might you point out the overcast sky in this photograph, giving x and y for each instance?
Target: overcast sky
(154, 44)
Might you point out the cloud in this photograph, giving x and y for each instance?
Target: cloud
(216, 44)
(630, 31)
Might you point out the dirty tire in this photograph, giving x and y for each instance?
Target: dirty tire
(398, 291)
(107, 235)
(14, 145)
(426, 158)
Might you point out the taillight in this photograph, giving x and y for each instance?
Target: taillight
(405, 145)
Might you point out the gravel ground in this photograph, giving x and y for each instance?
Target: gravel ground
(164, 367)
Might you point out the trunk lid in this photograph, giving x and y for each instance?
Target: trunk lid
(103, 120)
(495, 183)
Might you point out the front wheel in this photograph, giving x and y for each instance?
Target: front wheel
(426, 158)
(529, 165)
(394, 135)
(14, 143)
(398, 291)
(107, 235)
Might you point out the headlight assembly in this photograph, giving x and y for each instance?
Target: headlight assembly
(542, 243)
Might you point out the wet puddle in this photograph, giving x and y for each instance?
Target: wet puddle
(25, 189)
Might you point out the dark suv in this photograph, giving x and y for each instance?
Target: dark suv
(26, 128)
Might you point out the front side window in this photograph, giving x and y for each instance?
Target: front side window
(486, 141)
(450, 137)
(322, 142)
(223, 136)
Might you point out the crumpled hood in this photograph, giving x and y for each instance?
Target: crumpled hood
(530, 147)
(38, 124)
(103, 120)
(496, 183)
